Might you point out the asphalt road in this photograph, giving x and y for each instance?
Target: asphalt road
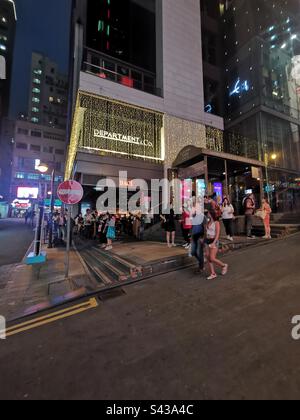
(173, 337)
(15, 239)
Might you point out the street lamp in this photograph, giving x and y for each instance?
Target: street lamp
(43, 168)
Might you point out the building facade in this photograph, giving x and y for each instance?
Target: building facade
(151, 118)
(262, 93)
(32, 145)
(48, 93)
(8, 19)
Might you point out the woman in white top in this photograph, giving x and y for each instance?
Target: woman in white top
(227, 217)
(212, 241)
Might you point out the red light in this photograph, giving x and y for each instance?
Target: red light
(127, 81)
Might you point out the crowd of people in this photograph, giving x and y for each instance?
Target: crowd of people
(108, 227)
(200, 225)
(201, 228)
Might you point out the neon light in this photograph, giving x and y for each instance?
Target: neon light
(240, 87)
(208, 109)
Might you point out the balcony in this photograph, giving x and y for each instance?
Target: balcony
(117, 71)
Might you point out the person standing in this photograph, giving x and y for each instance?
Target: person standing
(186, 226)
(267, 211)
(249, 206)
(170, 227)
(227, 217)
(111, 232)
(212, 241)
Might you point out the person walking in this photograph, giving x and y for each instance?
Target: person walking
(227, 217)
(267, 211)
(111, 232)
(213, 232)
(198, 234)
(249, 207)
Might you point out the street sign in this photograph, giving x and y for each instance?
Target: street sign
(70, 192)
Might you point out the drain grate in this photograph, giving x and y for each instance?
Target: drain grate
(111, 294)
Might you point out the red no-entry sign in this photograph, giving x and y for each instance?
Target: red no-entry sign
(70, 192)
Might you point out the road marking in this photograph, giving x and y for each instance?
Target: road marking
(53, 317)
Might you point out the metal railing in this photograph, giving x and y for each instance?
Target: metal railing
(114, 70)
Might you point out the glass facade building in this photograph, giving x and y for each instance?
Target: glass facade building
(261, 43)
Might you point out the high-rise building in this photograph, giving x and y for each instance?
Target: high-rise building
(262, 92)
(32, 145)
(8, 19)
(48, 93)
(141, 102)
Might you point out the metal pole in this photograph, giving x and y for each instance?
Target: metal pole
(50, 242)
(38, 243)
(226, 179)
(267, 172)
(68, 243)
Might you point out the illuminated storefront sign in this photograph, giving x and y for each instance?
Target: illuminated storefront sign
(122, 138)
(21, 204)
(240, 87)
(114, 128)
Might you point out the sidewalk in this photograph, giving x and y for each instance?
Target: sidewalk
(25, 290)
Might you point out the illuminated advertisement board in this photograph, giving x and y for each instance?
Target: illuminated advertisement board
(26, 193)
(113, 128)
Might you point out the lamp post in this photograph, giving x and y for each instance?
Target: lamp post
(43, 168)
(272, 157)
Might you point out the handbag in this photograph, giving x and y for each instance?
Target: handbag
(261, 214)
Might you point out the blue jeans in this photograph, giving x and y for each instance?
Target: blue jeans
(198, 250)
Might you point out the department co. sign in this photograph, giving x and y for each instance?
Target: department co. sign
(116, 128)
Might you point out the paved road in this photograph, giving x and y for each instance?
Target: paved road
(173, 337)
(15, 239)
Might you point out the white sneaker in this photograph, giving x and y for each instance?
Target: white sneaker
(212, 277)
(108, 248)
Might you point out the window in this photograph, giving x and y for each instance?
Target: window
(21, 146)
(48, 150)
(36, 90)
(3, 38)
(51, 99)
(20, 175)
(36, 100)
(35, 120)
(3, 47)
(36, 110)
(37, 71)
(36, 81)
(52, 136)
(35, 133)
(59, 152)
(23, 131)
(34, 177)
(35, 148)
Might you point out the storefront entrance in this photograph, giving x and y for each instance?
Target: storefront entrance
(220, 174)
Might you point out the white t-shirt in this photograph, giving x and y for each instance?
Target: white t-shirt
(228, 212)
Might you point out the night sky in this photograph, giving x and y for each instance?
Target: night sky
(42, 26)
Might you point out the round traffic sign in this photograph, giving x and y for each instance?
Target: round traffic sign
(70, 192)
